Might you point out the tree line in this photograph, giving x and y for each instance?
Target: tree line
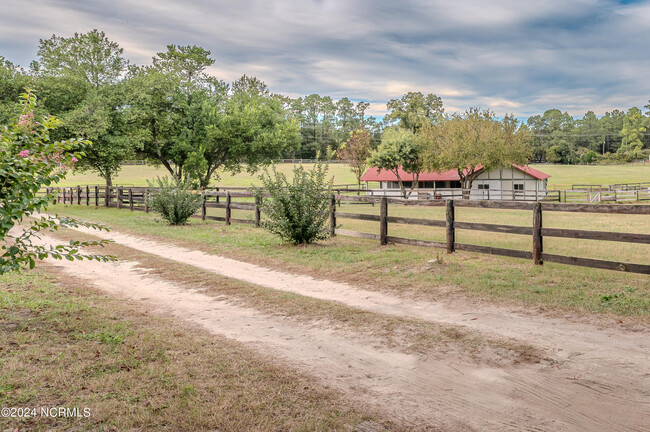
(616, 137)
(174, 113)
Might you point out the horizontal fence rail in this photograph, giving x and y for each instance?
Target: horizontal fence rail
(537, 231)
(135, 199)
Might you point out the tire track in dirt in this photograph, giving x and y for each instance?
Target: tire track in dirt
(566, 339)
(423, 393)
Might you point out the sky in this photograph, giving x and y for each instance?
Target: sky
(512, 56)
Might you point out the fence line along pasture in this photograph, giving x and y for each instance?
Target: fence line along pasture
(135, 198)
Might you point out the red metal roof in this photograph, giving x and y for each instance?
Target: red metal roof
(374, 174)
(532, 172)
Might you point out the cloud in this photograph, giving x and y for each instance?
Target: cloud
(507, 55)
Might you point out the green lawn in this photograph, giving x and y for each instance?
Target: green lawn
(63, 345)
(596, 174)
(137, 175)
(560, 175)
(408, 270)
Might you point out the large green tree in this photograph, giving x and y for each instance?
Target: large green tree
(79, 79)
(90, 56)
(413, 110)
(634, 126)
(554, 131)
(167, 103)
(327, 124)
(400, 150)
(473, 142)
(247, 129)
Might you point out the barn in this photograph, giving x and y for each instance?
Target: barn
(520, 183)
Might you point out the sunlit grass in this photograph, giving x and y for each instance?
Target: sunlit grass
(408, 270)
(137, 175)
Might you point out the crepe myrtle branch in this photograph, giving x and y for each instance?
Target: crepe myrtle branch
(23, 252)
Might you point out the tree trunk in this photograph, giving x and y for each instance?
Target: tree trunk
(415, 183)
(109, 180)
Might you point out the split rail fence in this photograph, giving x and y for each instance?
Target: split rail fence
(135, 198)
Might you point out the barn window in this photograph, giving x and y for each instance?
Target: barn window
(519, 186)
(455, 184)
(484, 186)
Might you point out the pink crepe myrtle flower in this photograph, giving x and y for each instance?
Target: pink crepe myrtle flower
(25, 118)
(23, 153)
(74, 159)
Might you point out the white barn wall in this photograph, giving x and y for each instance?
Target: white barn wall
(501, 187)
(504, 180)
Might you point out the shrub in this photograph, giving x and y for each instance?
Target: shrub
(28, 162)
(297, 210)
(173, 200)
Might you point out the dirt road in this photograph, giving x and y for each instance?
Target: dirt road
(599, 382)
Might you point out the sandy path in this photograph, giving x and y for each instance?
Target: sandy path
(565, 339)
(602, 385)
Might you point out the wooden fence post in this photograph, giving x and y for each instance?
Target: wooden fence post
(146, 200)
(333, 216)
(228, 210)
(451, 232)
(131, 199)
(96, 196)
(119, 197)
(78, 195)
(87, 195)
(258, 215)
(56, 196)
(538, 247)
(203, 207)
(383, 221)
(217, 195)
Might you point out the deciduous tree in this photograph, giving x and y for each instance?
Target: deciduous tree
(414, 110)
(79, 78)
(248, 129)
(356, 153)
(472, 142)
(399, 149)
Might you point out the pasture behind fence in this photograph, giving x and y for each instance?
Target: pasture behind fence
(135, 199)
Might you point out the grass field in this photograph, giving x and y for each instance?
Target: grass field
(596, 174)
(62, 345)
(408, 270)
(560, 175)
(137, 175)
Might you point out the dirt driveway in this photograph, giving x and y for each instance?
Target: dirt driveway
(599, 379)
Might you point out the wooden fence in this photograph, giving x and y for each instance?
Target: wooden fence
(135, 198)
(537, 232)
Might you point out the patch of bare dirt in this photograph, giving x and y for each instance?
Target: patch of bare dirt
(602, 383)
